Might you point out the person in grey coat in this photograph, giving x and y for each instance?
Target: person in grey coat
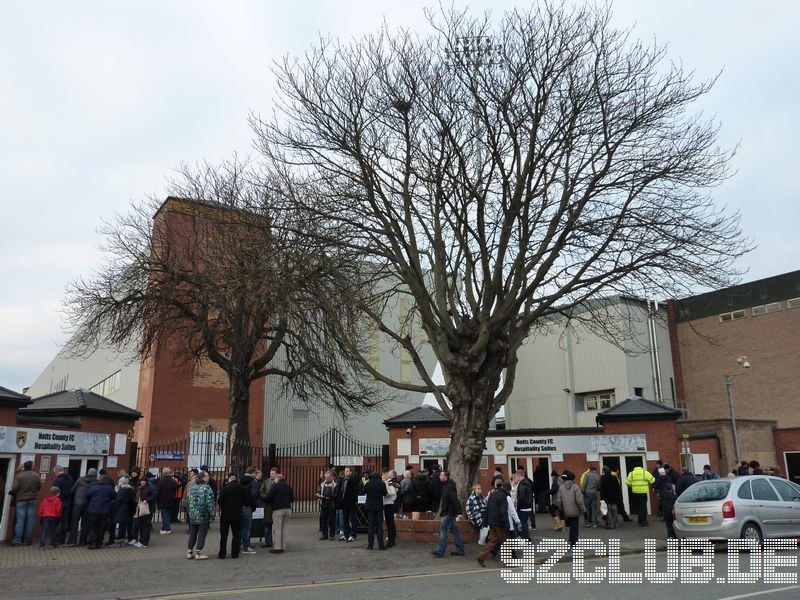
(570, 503)
(79, 504)
(591, 485)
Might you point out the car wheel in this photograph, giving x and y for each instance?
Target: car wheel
(750, 531)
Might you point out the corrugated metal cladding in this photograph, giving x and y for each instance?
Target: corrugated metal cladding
(738, 297)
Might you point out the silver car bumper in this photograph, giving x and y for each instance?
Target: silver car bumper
(727, 529)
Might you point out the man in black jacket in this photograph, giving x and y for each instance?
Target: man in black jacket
(525, 502)
(449, 509)
(232, 498)
(280, 496)
(166, 488)
(611, 492)
(497, 520)
(347, 500)
(375, 490)
(64, 483)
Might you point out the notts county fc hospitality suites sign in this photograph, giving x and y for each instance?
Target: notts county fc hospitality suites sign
(53, 441)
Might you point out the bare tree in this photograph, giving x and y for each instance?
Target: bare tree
(503, 174)
(213, 273)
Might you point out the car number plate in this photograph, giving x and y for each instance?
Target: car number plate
(698, 519)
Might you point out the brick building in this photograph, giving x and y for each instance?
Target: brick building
(635, 432)
(72, 428)
(710, 332)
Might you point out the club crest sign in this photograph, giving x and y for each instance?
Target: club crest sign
(22, 438)
(500, 445)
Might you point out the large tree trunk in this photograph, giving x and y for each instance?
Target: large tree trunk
(471, 400)
(239, 420)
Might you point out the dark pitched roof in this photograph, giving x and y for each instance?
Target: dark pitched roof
(13, 398)
(78, 401)
(422, 415)
(638, 409)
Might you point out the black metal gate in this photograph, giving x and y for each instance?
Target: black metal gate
(301, 464)
(207, 447)
(304, 464)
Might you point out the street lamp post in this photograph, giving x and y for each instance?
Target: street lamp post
(743, 364)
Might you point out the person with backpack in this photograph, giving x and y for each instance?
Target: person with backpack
(525, 498)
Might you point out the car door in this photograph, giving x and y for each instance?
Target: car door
(771, 509)
(790, 500)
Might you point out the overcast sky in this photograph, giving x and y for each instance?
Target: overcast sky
(98, 102)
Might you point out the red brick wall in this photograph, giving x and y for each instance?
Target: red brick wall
(710, 446)
(89, 424)
(169, 399)
(786, 440)
(769, 389)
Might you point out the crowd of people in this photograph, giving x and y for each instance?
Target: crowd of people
(96, 511)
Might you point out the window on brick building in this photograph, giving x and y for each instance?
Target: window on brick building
(766, 308)
(732, 316)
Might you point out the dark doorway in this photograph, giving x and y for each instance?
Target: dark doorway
(5, 477)
(75, 468)
(793, 466)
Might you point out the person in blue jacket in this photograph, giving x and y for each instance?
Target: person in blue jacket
(100, 500)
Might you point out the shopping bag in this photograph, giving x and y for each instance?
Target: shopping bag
(603, 508)
(484, 535)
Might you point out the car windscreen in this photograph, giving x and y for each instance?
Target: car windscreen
(705, 492)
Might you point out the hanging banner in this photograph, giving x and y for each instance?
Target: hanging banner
(53, 441)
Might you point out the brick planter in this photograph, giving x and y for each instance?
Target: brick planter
(427, 530)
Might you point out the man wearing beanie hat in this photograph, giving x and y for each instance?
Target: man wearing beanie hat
(50, 514)
(124, 505)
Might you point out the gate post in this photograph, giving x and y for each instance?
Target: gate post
(133, 456)
(271, 456)
(385, 456)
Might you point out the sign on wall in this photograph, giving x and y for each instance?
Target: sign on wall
(53, 441)
(559, 444)
(434, 446)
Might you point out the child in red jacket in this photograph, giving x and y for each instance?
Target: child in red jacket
(50, 515)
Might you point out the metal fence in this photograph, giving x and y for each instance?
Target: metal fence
(301, 464)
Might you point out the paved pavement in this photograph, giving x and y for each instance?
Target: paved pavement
(162, 568)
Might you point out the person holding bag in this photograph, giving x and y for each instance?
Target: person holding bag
(143, 514)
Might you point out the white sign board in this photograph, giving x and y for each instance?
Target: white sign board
(566, 444)
(53, 441)
(120, 442)
(434, 446)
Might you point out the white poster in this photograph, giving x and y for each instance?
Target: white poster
(111, 462)
(434, 446)
(53, 441)
(403, 446)
(120, 443)
(399, 466)
(62, 460)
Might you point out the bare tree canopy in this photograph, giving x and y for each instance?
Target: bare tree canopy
(213, 274)
(504, 173)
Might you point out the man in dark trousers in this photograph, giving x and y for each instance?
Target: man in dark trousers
(166, 489)
(449, 509)
(64, 483)
(375, 491)
(100, 499)
(347, 501)
(497, 520)
(232, 497)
